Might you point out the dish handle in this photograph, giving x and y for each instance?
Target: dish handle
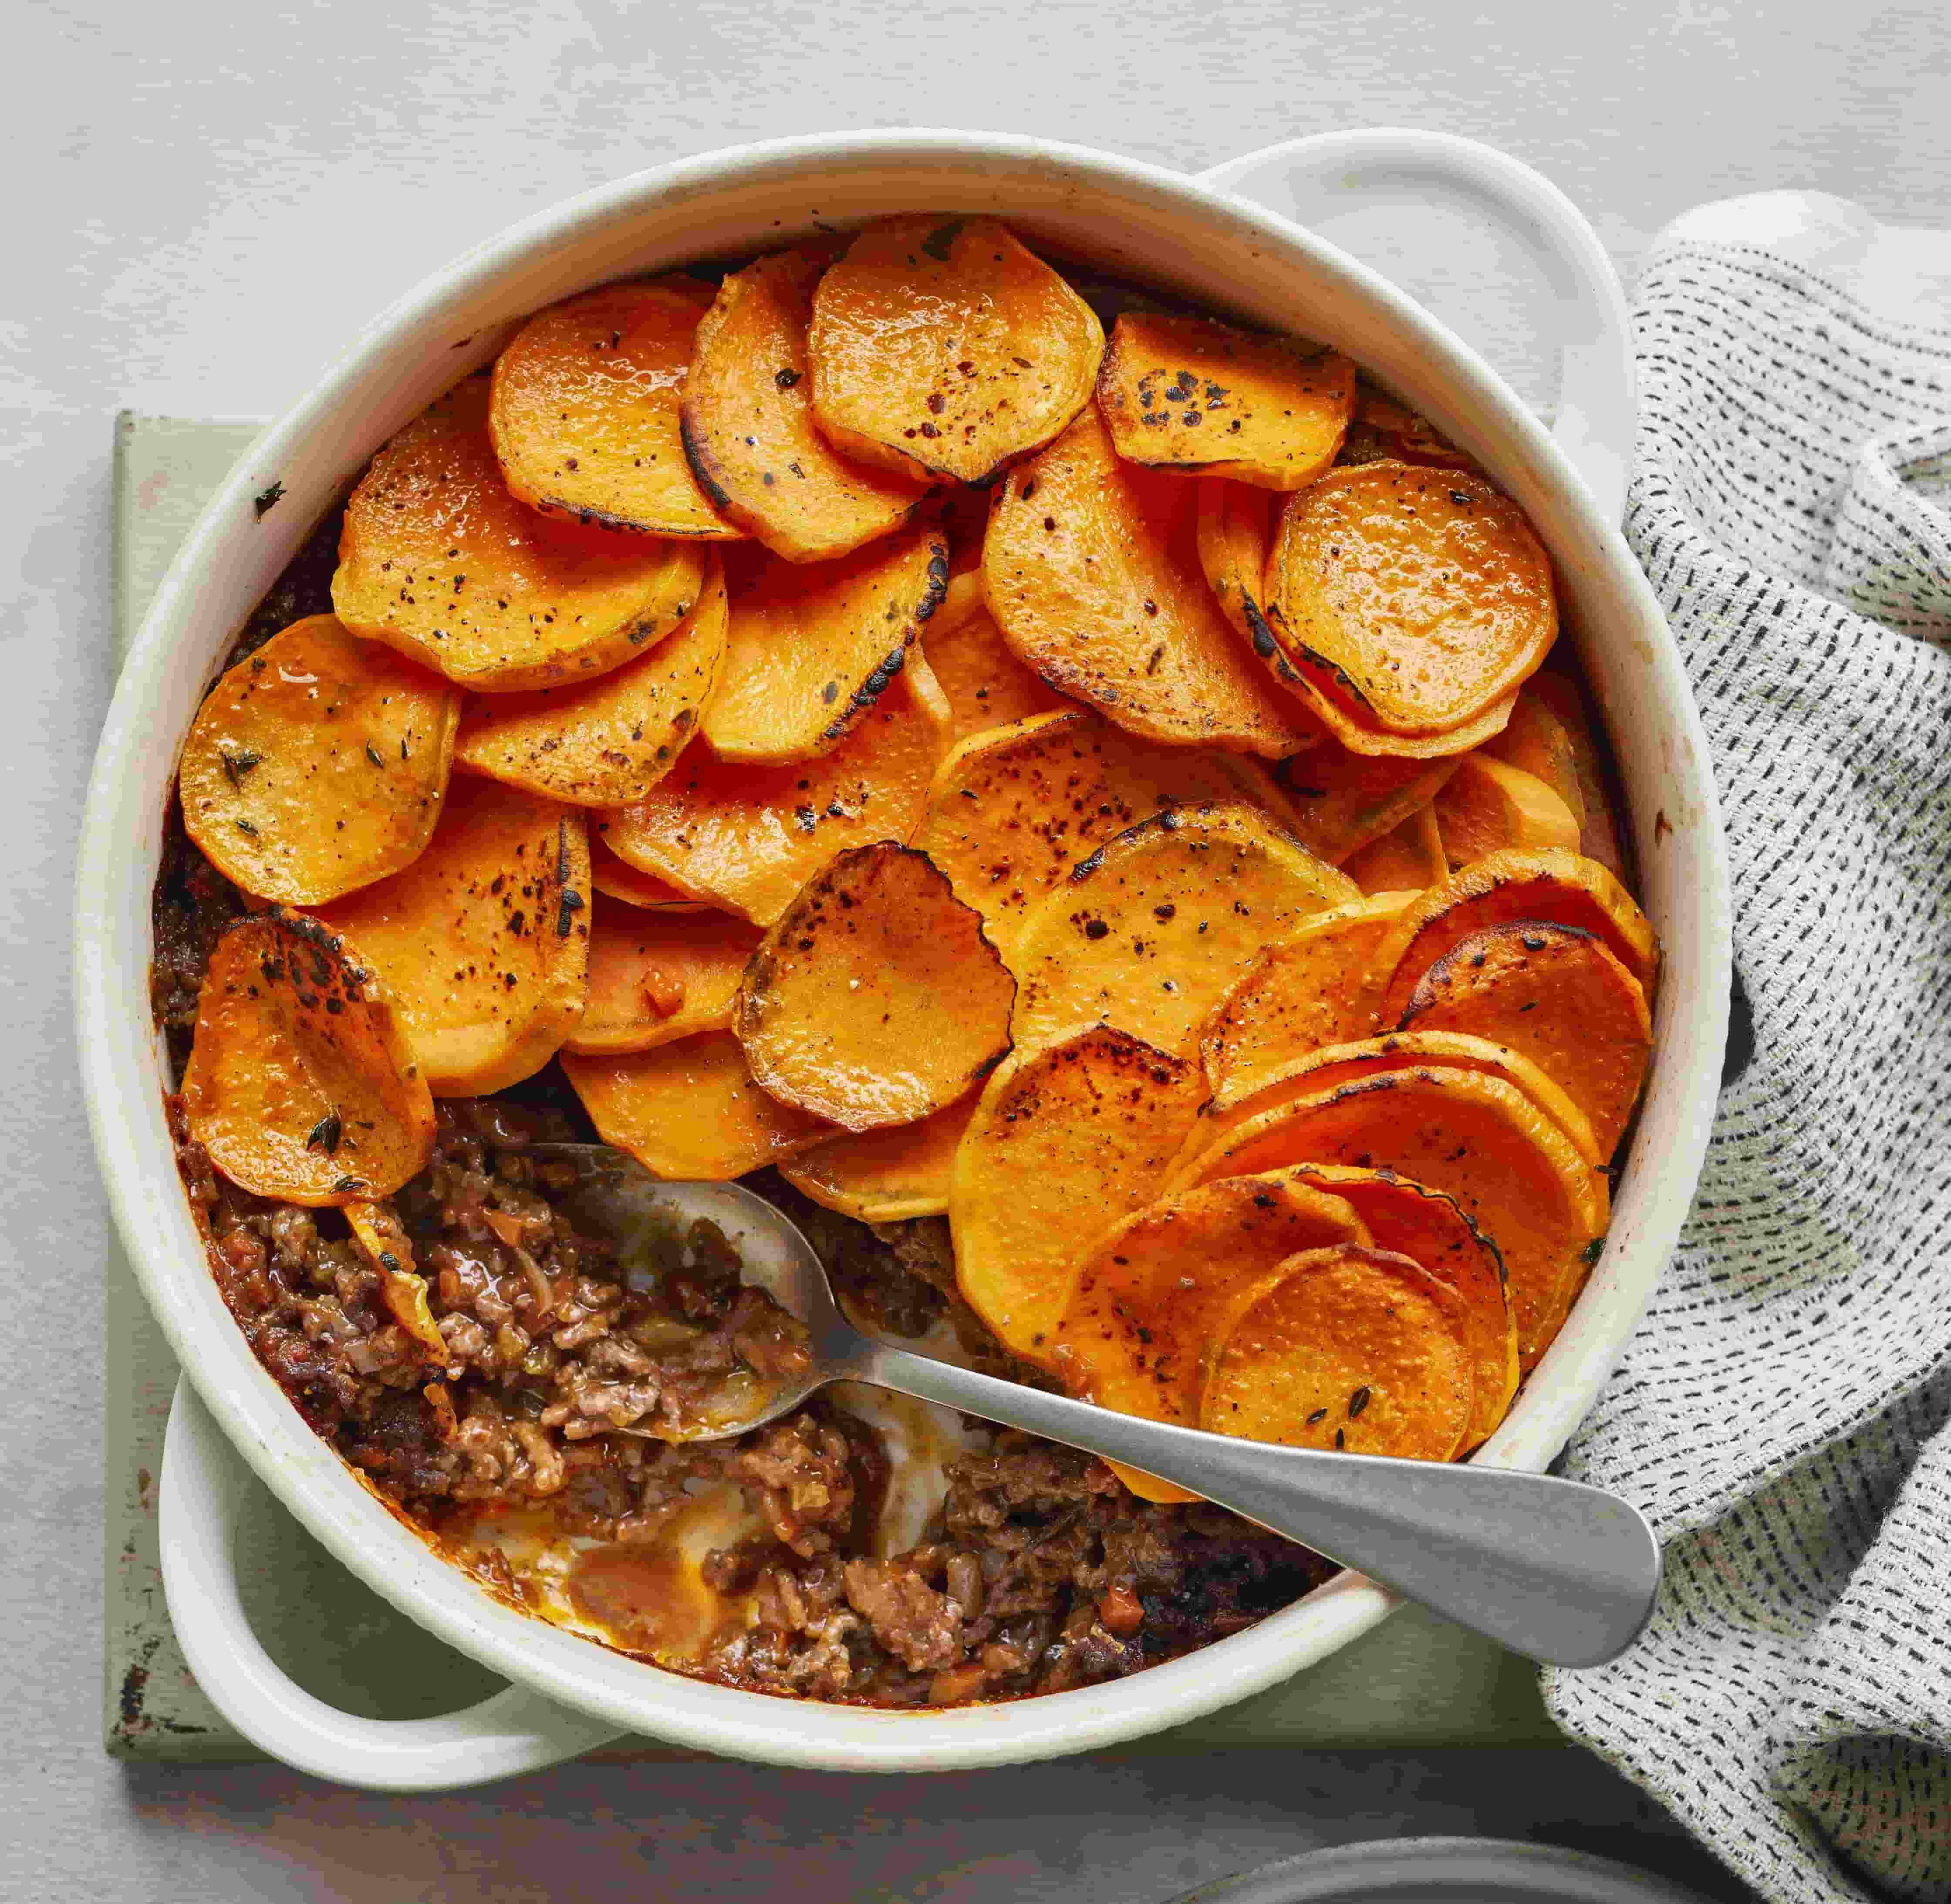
(204, 1487)
(1300, 178)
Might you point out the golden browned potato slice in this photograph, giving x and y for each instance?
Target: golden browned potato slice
(300, 1083)
(1149, 931)
(438, 560)
(1406, 859)
(941, 348)
(987, 686)
(1093, 574)
(748, 428)
(1402, 433)
(876, 999)
(1341, 801)
(657, 977)
(317, 764)
(1486, 805)
(1232, 526)
(1188, 394)
(584, 412)
(1537, 742)
(484, 940)
(621, 880)
(605, 742)
(812, 647)
(1598, 825)
(886, 1176)
(383, 1240)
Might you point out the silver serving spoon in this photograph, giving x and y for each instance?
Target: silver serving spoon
(1555, 1569)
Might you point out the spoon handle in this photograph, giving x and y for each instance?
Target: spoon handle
(1554, 1569)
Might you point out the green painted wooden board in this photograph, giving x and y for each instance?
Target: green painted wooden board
(1414, 1682)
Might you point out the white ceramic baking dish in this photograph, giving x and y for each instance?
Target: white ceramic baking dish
(1201, 236)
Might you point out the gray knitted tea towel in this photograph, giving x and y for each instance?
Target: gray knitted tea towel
(1783, 1412)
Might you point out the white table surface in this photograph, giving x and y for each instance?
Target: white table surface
(200, 205)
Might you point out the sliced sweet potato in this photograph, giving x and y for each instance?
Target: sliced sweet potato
(1149, 931)
(1424, 1225)
(1066, 1141)
(605, 742)
(1554, 885)
(301, 1083)
(1187, 394)
(747, 427)
(1012, 810)
(987, 686)
(438, 560)
(812, 647)
(317, 764)
(1486, 805)
(654, 979)
(1093, 573)
(1556, 994)
(1232, 526)
(1535, 741)
(1299, 993)
(1478, 1139)
(747, 838)
(1350, 730)
(621, 880)
(1417, 598)
(941, 348)
(1348, 1348)
(483, 941)
(1407, 859)
(1342, 800)
(689, 1112)
(876, 999)
(1403, 432)
(584, 409)
(382, 1237)
(1599, 825)
(887, 1176)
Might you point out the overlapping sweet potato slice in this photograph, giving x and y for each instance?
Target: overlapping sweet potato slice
(987, 686)
(1559, 996)
(887, 1176)
(584, 409)
(1416, 598)
(1599, 825)
(1478, 1139)
(1341, 801)
(301, 1083)
(689, 1112)
(438, 560)
(1149, 931)
(876, 999)
(1012, 810)
(1536, 741)
(1487, 805)
(1189, 394)
(382, 1237)
(1559, 887)
(747, 426)
(1408, 858)
(1066, 1141)
(747, 838)
(941, 348)
(317, 764)
(621, 880)
(812, 647)
(655, 978)
(605, 742)
(1232, 526)
(1403, 433)
(483, 941)
(1424, 1225)
(1093, 576)
(1351, 1348)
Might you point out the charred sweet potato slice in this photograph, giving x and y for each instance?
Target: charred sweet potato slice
(621, 880)
(1487, 805)
(1232, 526)
(655, 978)
(1410, 858)
(689, 1112)
(605, 742)
(584, 409)
(1066, 1141)
(887, 1176)
(1559, 887)
(484, 940)
(383, 1238)
(1013, 809)
(1149, 931)
(987, 686)
(1093, 576)
(317, 764)
(1188, 394)
(1478, 1139)
(1422, 1224)
(748, 432)
(1599, 827)
(301, 1084)
(438, 560)
(876, 999)
(1342, 800)
(942, 349)
(812, 646)
(1556, 994)
(1349, 1347)
(747, 838)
